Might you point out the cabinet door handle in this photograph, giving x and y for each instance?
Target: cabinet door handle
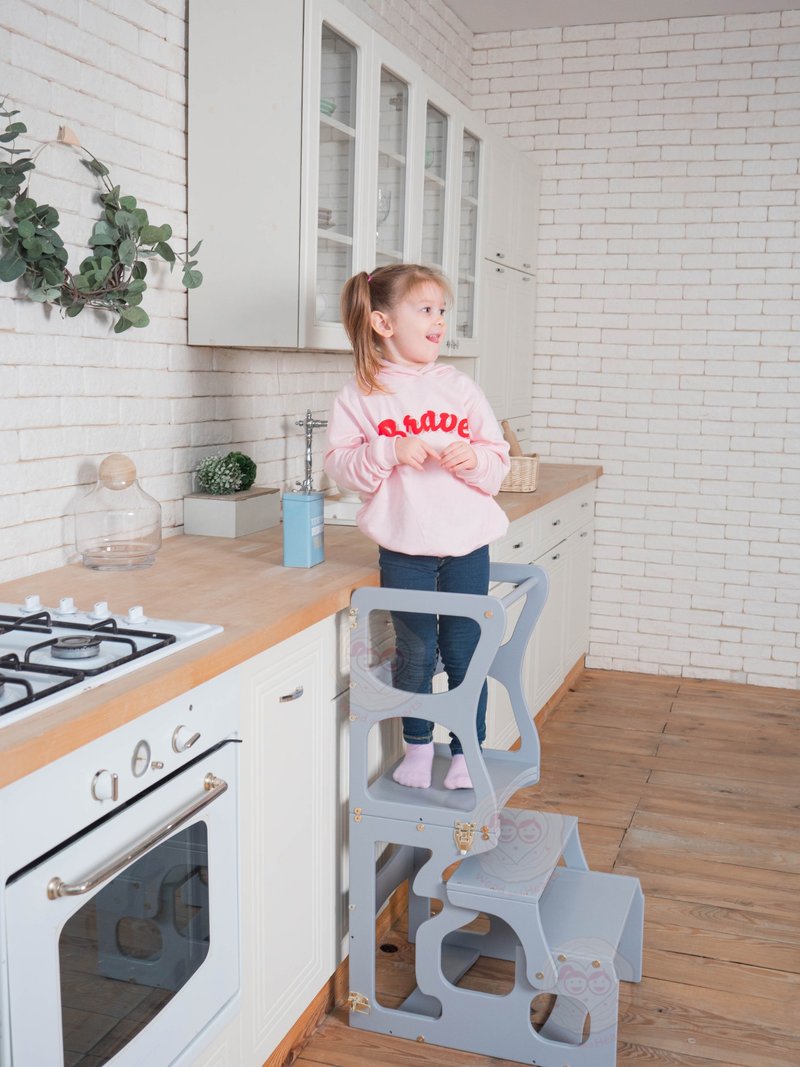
(499, 270)
(519, 544)
(500, 255)
(292, 696)
(556, 522)
(555, 556)
(527, 266)
(585, 504)
(526, 277)
(585, 533)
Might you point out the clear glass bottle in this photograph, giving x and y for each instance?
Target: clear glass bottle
(117, 524)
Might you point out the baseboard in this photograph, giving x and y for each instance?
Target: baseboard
(546, 710)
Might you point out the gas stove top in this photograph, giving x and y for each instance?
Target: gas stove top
(49, 654)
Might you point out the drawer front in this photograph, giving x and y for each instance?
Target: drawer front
(559, 519)
(517, 546)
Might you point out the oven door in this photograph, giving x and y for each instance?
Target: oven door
(123, 945)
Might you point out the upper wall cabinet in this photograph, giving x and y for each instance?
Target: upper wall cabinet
(316, 150)
(512, 209)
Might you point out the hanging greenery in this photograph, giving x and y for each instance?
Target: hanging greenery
(112, 277)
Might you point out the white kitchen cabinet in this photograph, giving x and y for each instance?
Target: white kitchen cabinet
(317, 150)
(557, 537)
(508, 289)
(505, 366)
(512, 212)
(564, 539)
(289, 833)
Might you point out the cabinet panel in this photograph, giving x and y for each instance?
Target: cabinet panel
(578, 596)
(288, 819)
(244, 96)
(546, 650)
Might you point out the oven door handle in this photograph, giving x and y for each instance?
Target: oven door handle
(57, 887)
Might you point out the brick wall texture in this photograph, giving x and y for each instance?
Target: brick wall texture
(667, 317)
(666, 339)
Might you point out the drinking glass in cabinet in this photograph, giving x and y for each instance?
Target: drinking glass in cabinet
(434, 188)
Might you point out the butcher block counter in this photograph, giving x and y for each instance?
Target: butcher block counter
(239, 584)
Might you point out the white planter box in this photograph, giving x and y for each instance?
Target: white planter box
(234, 515)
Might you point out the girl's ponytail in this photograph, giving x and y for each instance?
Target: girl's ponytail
(380, 291)
(356, 309)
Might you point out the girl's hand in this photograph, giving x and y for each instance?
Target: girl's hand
(413, 451)
(458, 456)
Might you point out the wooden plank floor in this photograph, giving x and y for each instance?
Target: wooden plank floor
(693, 787)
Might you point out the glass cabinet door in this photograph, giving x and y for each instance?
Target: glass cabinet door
(434, 187)
(467, 237)
(390, 202)
(336, 176)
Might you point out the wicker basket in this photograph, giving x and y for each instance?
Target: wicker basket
(522, 476)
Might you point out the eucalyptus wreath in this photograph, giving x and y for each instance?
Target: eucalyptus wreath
(112, 277)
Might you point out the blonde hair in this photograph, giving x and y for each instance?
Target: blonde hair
(382, 290)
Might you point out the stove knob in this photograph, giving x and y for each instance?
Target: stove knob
(183, 739)
(66, 606)
(105, 786)
(100, 610)
(136, 615)
(33, 603)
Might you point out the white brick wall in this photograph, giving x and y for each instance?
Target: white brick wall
(71, 391)
(668, 285)
(667, 350)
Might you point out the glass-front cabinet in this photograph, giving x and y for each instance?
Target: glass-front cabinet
(389, 166)
(465, 279)
(393, 175)
(336, 122)
(392, 179)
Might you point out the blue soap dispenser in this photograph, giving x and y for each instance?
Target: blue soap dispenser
(303, 512)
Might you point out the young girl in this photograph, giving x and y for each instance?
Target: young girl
(419, 442)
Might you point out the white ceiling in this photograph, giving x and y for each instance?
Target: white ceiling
(485, 16)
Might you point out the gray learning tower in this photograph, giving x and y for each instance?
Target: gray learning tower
(570, 932)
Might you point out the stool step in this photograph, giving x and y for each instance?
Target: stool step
(528, 850)
(584, 913)
(506, 771)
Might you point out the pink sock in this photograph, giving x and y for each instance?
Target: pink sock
(458, 775)
(415, 769)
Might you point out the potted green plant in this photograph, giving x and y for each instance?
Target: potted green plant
(228, 503)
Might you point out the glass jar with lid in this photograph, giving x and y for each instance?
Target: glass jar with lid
(117, 524)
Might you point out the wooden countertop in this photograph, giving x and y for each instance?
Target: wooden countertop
(239, 584)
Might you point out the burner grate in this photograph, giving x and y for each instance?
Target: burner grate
(11, 664)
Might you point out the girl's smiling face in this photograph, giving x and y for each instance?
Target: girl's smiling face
(412, 332)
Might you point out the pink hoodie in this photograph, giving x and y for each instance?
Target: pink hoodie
(431, 512)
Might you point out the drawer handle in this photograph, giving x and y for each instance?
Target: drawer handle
(585, 533)
(556, 522)
(292, 696)
(518, 544)
(500, 255)
(585, 504)
(556, 555)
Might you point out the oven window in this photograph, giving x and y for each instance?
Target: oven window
(129, 949)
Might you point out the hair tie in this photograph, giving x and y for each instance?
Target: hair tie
(369, 278)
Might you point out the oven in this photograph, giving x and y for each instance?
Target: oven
(119, 867)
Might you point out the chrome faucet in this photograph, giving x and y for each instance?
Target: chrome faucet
(310, 424)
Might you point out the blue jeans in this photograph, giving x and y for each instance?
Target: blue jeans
(420, 637)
